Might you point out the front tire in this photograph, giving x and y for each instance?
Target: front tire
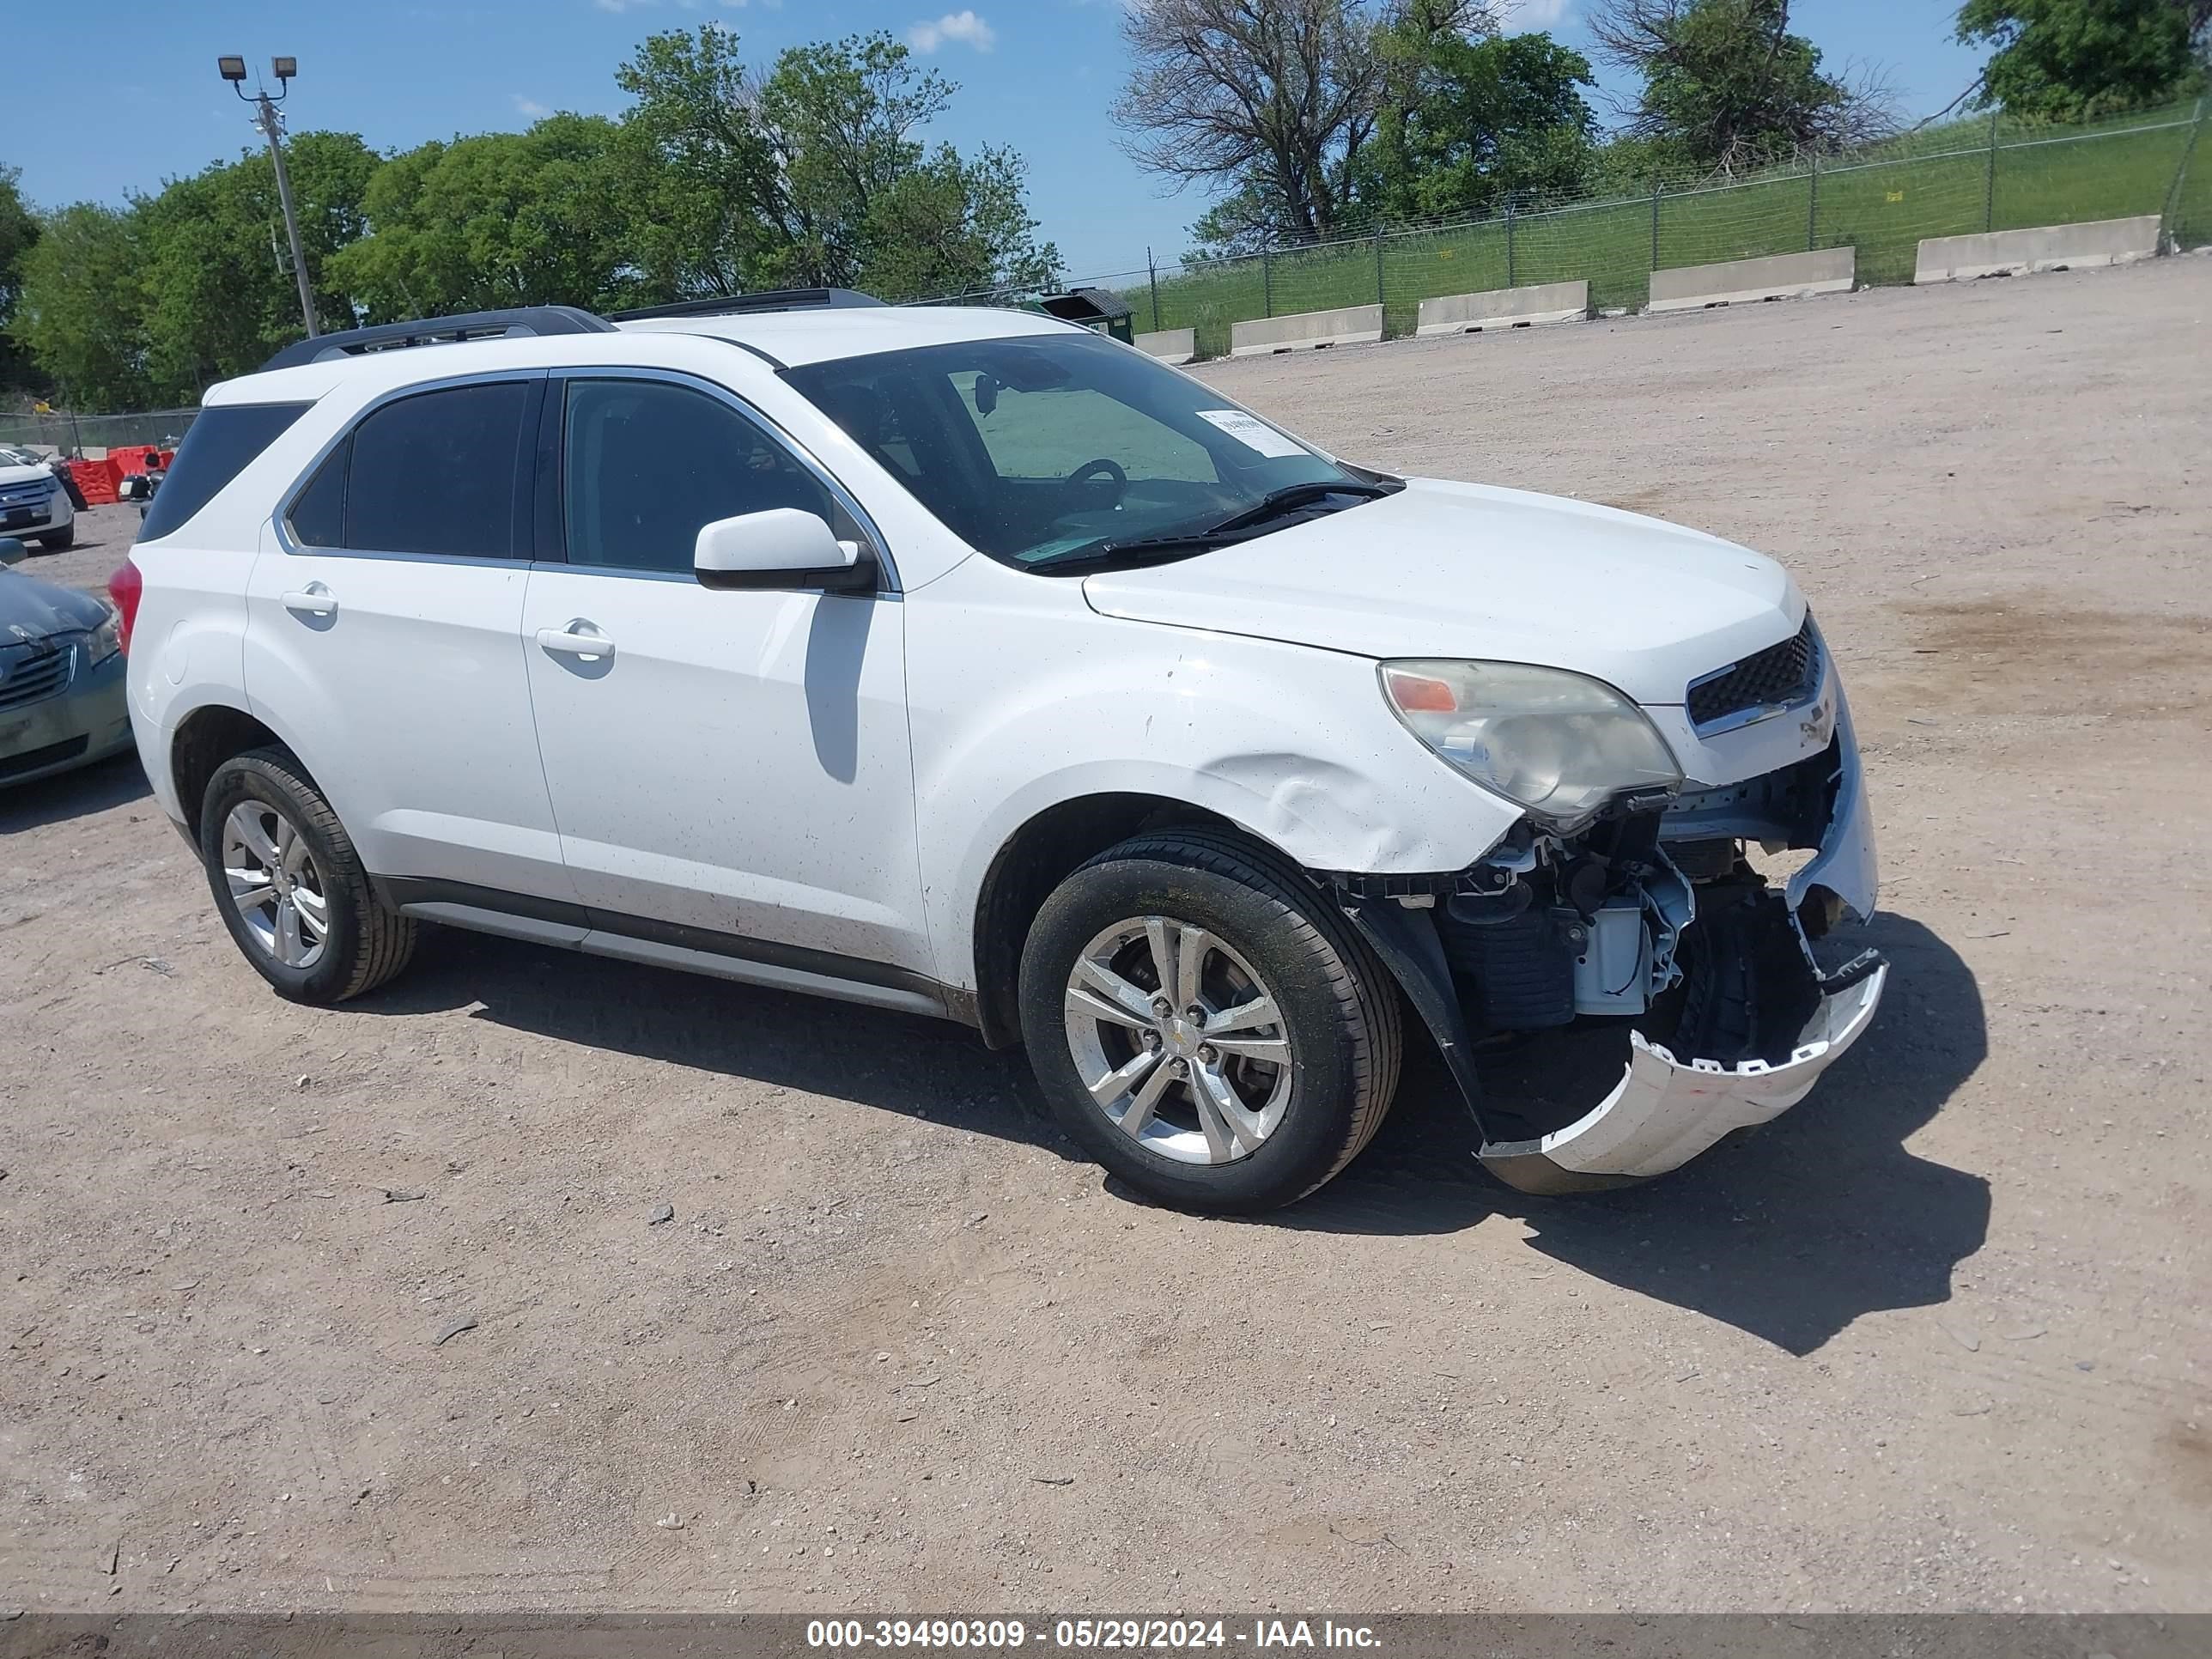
(1207, 1024)
(290, 887)
(60, 542)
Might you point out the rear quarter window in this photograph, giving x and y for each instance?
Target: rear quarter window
(219, 446)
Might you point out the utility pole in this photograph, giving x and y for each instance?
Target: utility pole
(267, 117)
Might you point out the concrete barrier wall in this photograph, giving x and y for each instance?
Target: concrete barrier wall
(1352, 325)
(1170, 345)
(1504, 307)
(2046, 248)
(1739, 282)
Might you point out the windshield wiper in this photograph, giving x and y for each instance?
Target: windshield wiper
(1143, 550)
(1291, 496)
(1240, 527)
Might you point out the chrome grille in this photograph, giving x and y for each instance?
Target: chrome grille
(36, 493)
(1775, 678)
(27, 677)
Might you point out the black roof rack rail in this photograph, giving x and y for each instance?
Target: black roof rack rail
(439, 330)
(773, 299)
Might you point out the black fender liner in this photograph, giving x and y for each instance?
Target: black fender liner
(1414, 954)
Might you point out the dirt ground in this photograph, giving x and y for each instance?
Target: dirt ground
(1937, 1339)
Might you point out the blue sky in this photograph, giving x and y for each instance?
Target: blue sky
(1037, 74)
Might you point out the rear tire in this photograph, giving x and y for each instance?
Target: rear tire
(290, 887)
(1305, 1023)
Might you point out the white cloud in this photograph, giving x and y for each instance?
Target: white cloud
(618, 7)
(1525, 17)
(962, 26)
(530, 107)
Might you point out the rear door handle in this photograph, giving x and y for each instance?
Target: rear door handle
(579, 639)
(315, 599)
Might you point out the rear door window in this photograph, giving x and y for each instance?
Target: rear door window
(434, 473)
(218, 447)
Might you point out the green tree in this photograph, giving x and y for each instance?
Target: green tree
(501, 219)
(82, 307)
(809, 173)
(2070, 59)
(1468, 125)
(862, 202)
(948, 225)
(19, 229)
(218, 295)
(1726, 84)
(698, 167)
(715, 181)
(1269, 101)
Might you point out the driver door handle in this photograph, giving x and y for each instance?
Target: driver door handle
(315, 599)
(578, 639)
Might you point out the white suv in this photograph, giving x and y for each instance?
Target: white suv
(969, 663)
(34, 503)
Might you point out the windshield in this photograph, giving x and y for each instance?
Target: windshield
(1059, 449)
(11, 456)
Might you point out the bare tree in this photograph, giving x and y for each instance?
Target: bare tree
(1270, 99)
(1728, 80)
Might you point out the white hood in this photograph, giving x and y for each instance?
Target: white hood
(1459, 570)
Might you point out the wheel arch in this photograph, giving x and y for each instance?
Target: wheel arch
(211, 734)
(1044, 851)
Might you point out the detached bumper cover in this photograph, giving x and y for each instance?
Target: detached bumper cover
(1664, 1112)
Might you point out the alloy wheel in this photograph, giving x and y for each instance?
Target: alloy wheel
(1178, 1040)
(274, 884)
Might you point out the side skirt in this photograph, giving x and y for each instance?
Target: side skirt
(667, 944)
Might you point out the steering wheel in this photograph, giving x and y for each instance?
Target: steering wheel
(1102, 467)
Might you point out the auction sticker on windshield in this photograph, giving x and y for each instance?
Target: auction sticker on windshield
(1252, 432)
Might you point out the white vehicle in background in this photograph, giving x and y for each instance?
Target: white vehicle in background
(34, 507)
(968, 663)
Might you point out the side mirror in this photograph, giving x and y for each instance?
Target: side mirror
(133, 488)
(780, 547)
(11, 550)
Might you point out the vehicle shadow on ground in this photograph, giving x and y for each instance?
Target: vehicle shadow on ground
(116, 781)
(1788, 1232)
(927, 1069)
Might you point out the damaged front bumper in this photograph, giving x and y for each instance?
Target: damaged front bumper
(1666, 1110)
(1663, 1112)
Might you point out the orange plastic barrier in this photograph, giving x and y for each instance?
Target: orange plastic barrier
(100, 482)
(95, 481)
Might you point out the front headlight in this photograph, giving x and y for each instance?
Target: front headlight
(105, 640)
(1559, 744)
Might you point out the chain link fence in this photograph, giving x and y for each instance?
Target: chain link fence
(1880, 205)
(93, 435)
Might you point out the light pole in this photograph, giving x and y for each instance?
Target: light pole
(271, 123)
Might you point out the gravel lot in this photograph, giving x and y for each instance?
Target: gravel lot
(1937, 1339)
